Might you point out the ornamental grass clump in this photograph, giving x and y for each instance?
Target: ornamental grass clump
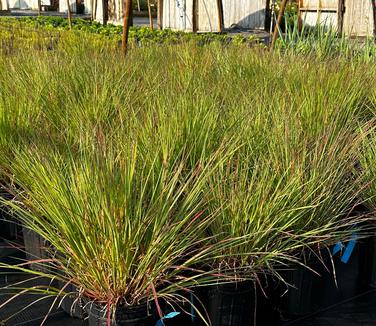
(282, 200)
(290, 187)
(122, 229)
(147, 175)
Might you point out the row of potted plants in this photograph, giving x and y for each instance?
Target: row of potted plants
(160, 193)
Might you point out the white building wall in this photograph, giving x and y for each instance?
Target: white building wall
(178, 14)
(358, 18)
(4, 5)
(329, 19)
(23, 4)
(244, 13)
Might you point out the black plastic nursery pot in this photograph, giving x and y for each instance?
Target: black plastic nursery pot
(72, 304)
(372, 262)
(367, 261)
(331, 280)
(35, 248)
(230, 304)
(140, 315)
(9, 229)
(242, 303)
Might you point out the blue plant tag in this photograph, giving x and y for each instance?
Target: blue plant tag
(168, 316)
(348, 249)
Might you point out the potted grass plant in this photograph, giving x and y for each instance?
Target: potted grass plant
(126, 192)
(127, 230)
(286, 191)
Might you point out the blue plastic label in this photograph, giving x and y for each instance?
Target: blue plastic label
(348, 249)
(168, 316)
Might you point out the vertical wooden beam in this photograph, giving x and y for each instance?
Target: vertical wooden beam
(300, 20)
(278, 23)
(319, 11)
(105, 11)
(340, 15)
(127, 15)
(160, 14)
(69, 15)
(150, 15)
(94, 9)
(220, 15)
(194, 16)
(374, 16)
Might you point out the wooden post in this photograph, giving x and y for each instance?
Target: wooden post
(105, 11)
(374, 16)
(278, 23)
(150, 15)
(194, 16)
(126, 21)
(340, 14)
(300, 20)
(94, 9)
(69, 15)
(39, 7)
(220, 15)
(160, 13)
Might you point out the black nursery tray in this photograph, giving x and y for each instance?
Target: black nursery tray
(33, 315)
(354, 305)
(357, 311)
